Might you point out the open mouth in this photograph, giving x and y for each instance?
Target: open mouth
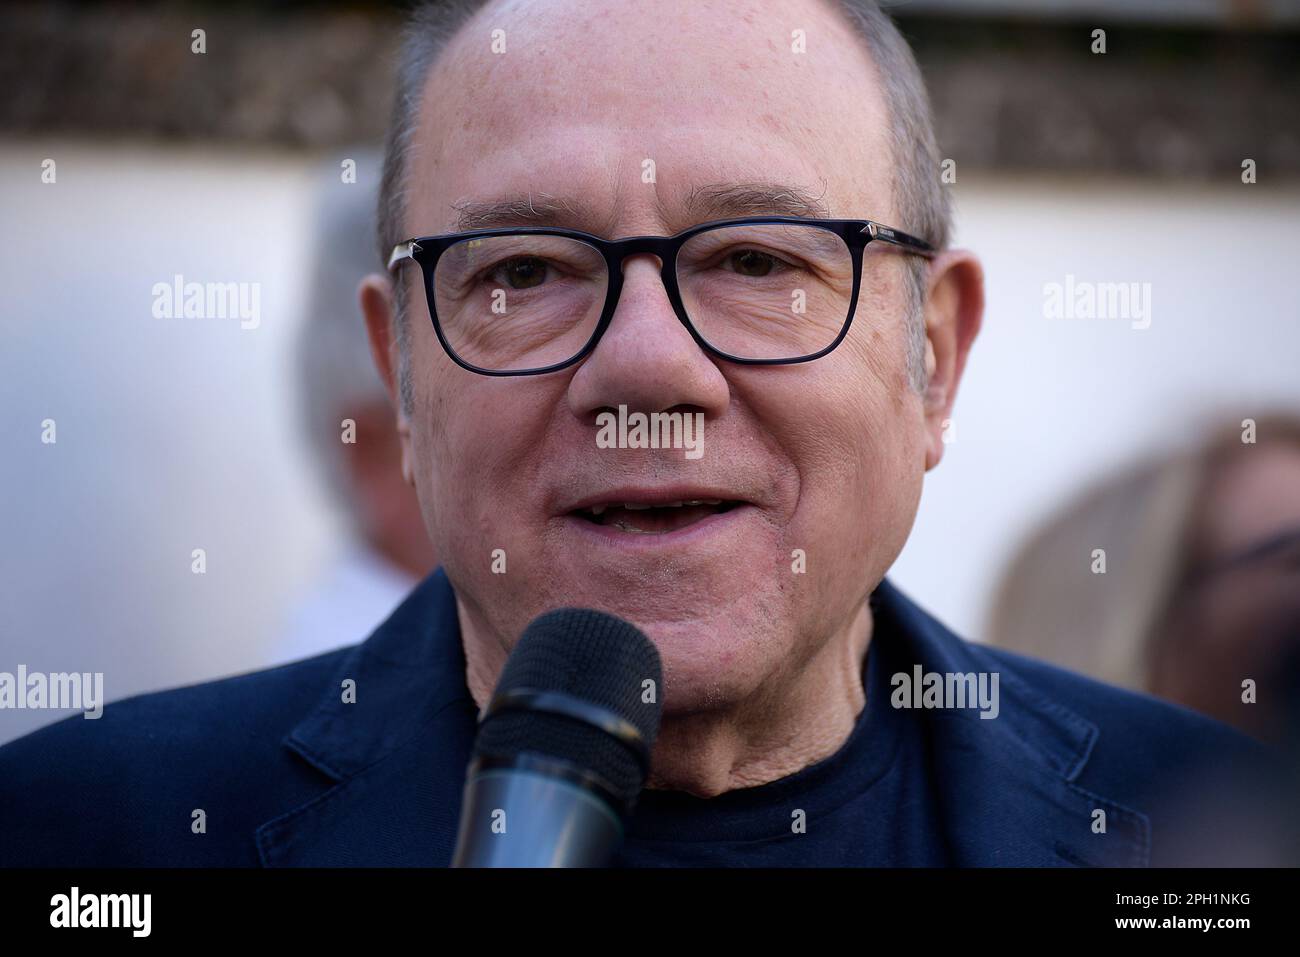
(657, 519)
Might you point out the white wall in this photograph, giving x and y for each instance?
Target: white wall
(1047, 405)
(173, 434)
(177, 434)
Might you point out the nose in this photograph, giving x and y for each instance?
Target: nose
(647, 358)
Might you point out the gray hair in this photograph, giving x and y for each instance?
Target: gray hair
(332, 354)
(921, 198)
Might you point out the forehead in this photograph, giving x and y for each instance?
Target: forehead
(626, 115)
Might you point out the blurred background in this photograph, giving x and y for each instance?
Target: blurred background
(127, 159)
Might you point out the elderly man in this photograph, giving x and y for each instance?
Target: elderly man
(742, 222)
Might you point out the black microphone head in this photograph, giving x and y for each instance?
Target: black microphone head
(577, 656)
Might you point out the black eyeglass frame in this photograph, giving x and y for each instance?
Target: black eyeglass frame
(857, 234)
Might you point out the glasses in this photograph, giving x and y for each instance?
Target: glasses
(768, 290)
(1275, 557)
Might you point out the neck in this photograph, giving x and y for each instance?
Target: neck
(794, 721)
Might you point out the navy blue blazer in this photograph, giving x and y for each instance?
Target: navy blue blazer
(288, 774)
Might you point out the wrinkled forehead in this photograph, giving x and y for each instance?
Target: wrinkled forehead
(648, 117)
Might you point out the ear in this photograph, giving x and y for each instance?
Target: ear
(376, 298)
(954, 309)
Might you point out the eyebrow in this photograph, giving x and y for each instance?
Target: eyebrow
(541, 209)
(726, 200)
(702, 203)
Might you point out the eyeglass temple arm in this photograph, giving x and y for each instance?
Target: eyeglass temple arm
(402, 252)
(900, 239)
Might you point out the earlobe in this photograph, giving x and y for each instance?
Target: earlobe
(931, 364)
(408, 471)
(404, 440)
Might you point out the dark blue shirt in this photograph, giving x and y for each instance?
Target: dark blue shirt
(870, 804)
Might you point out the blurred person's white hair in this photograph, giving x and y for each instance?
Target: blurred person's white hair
(335, 369)
(1049, 604)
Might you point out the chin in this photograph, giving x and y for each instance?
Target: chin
(709, 663)
(690, 689)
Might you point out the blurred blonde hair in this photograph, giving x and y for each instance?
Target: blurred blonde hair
(1049, 603)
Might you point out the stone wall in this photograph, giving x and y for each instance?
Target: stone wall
(1010, 93)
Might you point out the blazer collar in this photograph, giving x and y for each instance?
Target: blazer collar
(412, 665)
(397, 754)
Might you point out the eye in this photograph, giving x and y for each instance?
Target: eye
(520, 272)
(750, 262)
(753, 263)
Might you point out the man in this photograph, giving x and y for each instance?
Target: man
(792, 734)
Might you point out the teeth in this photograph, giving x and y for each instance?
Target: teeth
(598, 510)
(693, 501)
(634, 530)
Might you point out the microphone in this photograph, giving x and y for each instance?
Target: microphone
(563, 748)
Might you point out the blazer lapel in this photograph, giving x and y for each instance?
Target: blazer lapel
(397, 754)
(1007, 785)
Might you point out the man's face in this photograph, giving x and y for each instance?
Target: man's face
(824, 457)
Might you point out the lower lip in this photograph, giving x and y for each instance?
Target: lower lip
(696, 533)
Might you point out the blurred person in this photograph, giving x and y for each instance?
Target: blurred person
(1201, 590)
(386, 550)
(758, 569)
(1199, 605)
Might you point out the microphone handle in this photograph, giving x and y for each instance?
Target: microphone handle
(511, 817)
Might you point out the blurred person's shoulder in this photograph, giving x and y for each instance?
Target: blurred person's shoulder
(167, 778)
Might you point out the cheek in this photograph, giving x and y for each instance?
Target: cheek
(449, 455)
(863, 482)
(477, 445)
(858, 448)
